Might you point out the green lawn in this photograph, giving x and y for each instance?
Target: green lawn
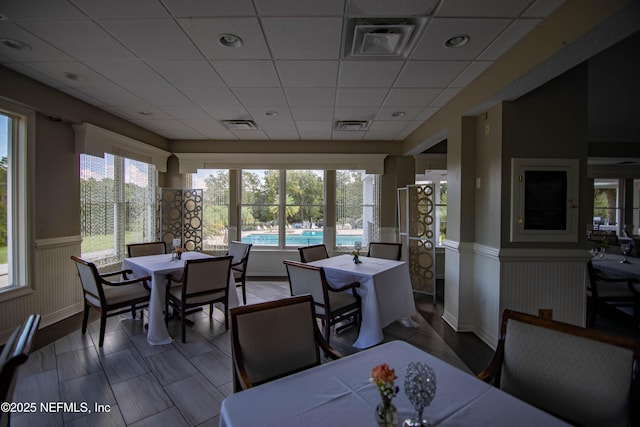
(105, 241)
(3, 254)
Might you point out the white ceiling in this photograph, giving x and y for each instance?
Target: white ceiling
(158, 63)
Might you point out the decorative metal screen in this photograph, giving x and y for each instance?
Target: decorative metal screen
(180, 217)
(416, 218)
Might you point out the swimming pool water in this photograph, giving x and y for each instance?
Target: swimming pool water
(308, 237)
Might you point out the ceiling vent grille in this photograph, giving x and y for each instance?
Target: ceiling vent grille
(382, 38)
(240, 124)
(352, 125)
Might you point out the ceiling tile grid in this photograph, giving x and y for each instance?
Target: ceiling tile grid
(180, 67)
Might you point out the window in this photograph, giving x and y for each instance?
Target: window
(117, 207)
(606, 204)
(215, 183)
(304, 207)
(260, 207)
(357, 213)
(440, 226)
(13, 196)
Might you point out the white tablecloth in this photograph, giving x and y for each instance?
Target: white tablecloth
(385, 289)
(158, 266)
(339, 393)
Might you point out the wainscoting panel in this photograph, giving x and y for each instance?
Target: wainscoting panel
(56, 290)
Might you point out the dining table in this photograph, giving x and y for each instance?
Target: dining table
(385, 292)
(612, 265)
(158, 267)
(340, 393)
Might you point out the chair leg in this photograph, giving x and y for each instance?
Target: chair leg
(133, 311)
(183, 314)
(327, 330)
(85, 317)
(210, 310)
(244, 292)
(103, 326)
(226, 316)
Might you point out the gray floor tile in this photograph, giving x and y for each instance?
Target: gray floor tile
(145, 349)
(92, 389)
(123, 365)
(39, 361)
(115, 340)
(140, 397)
(170, 366)
(110, 418)
(169, 417)
(196, 398)
(73, 341)
(215, 366)
(78, 363)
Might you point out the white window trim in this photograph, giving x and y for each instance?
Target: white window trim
(22, 179)
(94, 140)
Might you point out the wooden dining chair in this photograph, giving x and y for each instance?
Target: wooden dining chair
(273, 339)
(586, 377)
(604, 292)
(203, 281)
(144, 249)
(110, 298)
(333, 304)
(240, 253)
(15, 353)
(313, 252)
(385, 250)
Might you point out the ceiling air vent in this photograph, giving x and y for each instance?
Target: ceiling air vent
(351, 125)
(240, 124)
(381, 38)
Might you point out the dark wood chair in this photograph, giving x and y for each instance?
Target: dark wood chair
(333, 305)
(110, 297)
(15, 353)
(240, 253)
(144, 249)
(583, 376)
(385, 250)
(273, 339)
(313, 252)
(605, 292)
(203, 281)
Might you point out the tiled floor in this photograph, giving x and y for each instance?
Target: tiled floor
(143, 385)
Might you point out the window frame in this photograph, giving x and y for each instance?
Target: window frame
(20, 181)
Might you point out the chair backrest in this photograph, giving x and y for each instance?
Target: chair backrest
(583, 376)
(307, 279)
(313, 252)
(144, 249)
(385, 250)
(206, 275)
(240, 252)
(273, 339)
(16, 352)
(90, 279)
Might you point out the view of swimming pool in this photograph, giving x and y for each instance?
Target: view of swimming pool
(308, 237)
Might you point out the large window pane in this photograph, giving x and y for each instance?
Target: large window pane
(5, 138)
(357, 208)
(140, 201)
(259, 213)
(304, 207)
(215, 217)
(606, 205)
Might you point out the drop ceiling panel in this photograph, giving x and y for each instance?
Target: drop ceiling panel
(59, 70)
(250, 134)
(481, 33)
(299, 7)
(219, 134)
(429, 74)
(261, 96)
(364, 8)
(162, 96)
(206, 33)
(542, 8)
(129, 74)
(283, 135)
(247, 73)
(71, 37)
(122, 8)
(226, 112)
(186, 112)
(472, 71)
(308, 73)
(368, 73)
(304, 96)
(508, 38)
(39, 9)
(348, 136)
(204, 125)
(317, 135)
(40, 49)
(112, 95)
(212, 97)
(315, 38)
(283, 125)
(312, 113)
(200, 73)
(410, 97)
(369, 97)
(444, 97)
(282, 115)
(158, 39)
(386, 113)
(357, 113)
(188, 8)
(475, 8)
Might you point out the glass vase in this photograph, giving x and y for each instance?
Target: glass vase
(386, 415)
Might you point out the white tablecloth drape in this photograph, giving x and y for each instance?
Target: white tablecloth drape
(339, 393)
(385, 289)
(158, 267)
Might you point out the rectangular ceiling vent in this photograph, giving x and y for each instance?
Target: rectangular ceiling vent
(240, 124)
(351, 125)
(382, 38)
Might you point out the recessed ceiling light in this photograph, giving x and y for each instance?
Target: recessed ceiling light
(398, 114)
(15, 44)
(145, 113)
(230, 40)
(75, 77)
(458, 40)
(271, 113)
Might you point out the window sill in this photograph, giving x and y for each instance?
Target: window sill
(13, 293)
